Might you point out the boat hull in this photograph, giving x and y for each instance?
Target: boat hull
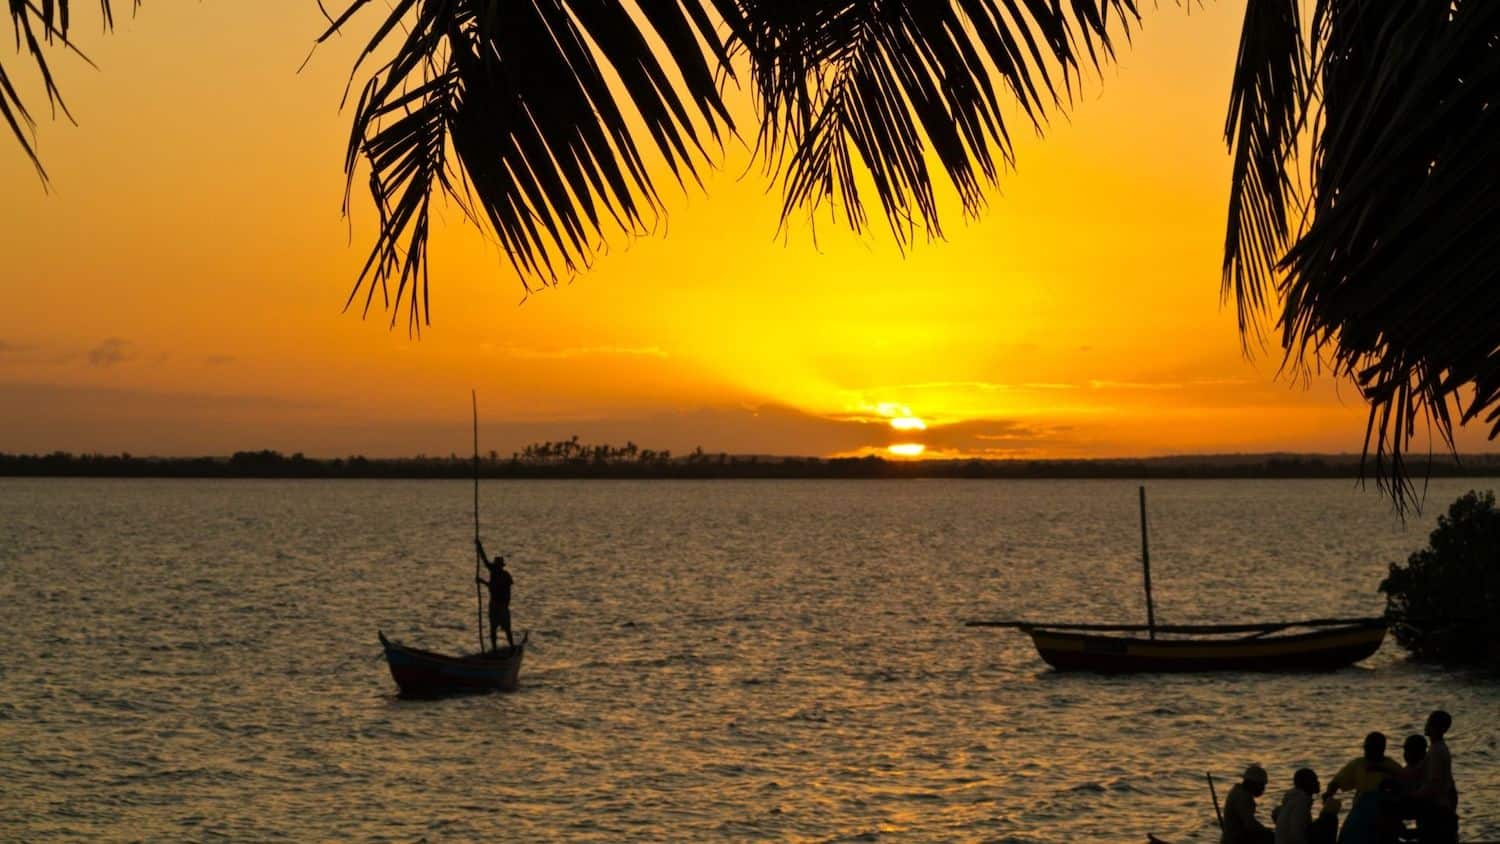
(425, 674)
(1320, 650)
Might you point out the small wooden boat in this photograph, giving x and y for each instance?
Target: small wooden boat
(1321, 644)
(424, 674)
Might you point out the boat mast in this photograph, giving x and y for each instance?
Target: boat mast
(478, 592)
(1146, 564)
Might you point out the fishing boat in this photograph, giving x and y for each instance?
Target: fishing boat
(425, 674)
(1321, 644)
(1313, 645)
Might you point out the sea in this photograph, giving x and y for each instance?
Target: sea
(196, 660)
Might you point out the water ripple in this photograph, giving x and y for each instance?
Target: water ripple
(748, 660)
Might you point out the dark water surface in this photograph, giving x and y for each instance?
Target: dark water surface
(757, 659)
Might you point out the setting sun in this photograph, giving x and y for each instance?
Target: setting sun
(1018, 332)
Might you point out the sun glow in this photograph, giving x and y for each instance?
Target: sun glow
(1016, 337)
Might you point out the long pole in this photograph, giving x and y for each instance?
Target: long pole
(1213, 791)
(478, 593)
(1146, 564)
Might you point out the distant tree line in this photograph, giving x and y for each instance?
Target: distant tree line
(572, 459)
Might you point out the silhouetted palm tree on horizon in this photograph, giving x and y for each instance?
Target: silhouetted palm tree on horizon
(1382, 266)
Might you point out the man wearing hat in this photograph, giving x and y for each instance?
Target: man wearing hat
(1240, 824)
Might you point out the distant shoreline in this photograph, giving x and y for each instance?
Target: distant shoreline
(270, 464)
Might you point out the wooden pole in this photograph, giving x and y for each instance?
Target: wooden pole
(478, 592)
(1146, 564)
(1213, 791)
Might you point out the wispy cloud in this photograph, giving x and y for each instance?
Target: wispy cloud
(984, 386)
(111, 351)
(573, 353)
(27, 355)
(1135, 385)
(1167, 385)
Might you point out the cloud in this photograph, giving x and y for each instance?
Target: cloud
(219, 360)
(781, 430)
(109, 420)
(1167, 385)
(26, 355)
(522, 353)
(1135, 385)
(941, 385)
(998, 437)
(981, 386)
(111, 351)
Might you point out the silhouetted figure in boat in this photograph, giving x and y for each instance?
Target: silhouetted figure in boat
(499, 583)
(1240, 824)
(1294, 818)
(1440, 823)
(1364, 776)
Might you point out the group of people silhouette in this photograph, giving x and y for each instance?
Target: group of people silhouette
(1386, 796)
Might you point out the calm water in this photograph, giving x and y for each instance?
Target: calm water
(197, 660)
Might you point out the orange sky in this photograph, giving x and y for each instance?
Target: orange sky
(179, 290)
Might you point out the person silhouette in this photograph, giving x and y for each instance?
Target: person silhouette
(499, 583)
(1363, 776)
(1294, 817)
(1438, 788)
(1240, 824)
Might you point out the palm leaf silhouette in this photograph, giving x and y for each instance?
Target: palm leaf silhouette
(509, 109)
(39, 28)
(874, 86)
(1389, 270)
(517, 111)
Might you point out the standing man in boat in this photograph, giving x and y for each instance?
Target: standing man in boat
(499, 583)
(1240, 824)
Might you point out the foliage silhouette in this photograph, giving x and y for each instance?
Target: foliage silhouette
(547, 461)
(1385, 265)
(39, 28)
(1447, 597)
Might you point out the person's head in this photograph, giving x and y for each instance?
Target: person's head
(1374, 747)
(1255, 780)
(499, 562)
(1438, 723)
(1414, 750)
(1306, 780)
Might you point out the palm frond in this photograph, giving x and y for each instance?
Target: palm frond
(1268, 102)
(39, 28)
(535, 123)
(521, 112)
(874, 86)
(1394, 278)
